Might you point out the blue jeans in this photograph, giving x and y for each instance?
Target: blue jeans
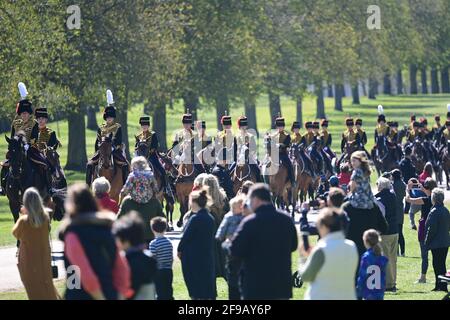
(424, 256)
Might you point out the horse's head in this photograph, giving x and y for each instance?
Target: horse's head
(16, 155)
(52, 156)
(142, 149)
(105, 151)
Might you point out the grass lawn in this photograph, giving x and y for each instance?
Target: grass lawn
(398, 108)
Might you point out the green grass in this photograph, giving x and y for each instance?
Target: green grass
(397, 108)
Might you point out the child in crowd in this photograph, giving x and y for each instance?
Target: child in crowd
(129, 232)
(324, 185)
(224, 234)
(162, 249)
(426, 173)
(344, 176)
(371, 282)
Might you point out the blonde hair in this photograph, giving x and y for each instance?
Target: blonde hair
(215, 191)
(372, 240)
(32, 202)
(362, 157)
(139, 164)
(237, 201)
(101, 186)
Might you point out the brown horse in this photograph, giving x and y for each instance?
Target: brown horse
(303, 178)
(242, 171)
(276, 176)
(418, 156)
(106, 168)
(384, 159)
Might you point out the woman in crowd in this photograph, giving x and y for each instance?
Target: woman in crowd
(427, 188)
(196, 248)
(332, 263)
(32, 230)
(390, 236)
(437, 237)
(89, 245)
(400, 193)
(140, 189)
(361, 194)
(101, 188)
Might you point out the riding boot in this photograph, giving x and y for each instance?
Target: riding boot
(125, 173)
(89, 173)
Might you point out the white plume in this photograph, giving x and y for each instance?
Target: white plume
(380, 109)
(22, 90)
(448, 107)
(109, 97)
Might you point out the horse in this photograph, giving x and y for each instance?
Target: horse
(276, 176)
(21, 176)
(242, 171)
(303, 178)
(345, 156)
(184, 183)
(169, 195)
(385, 158)
(106, 168)
(418, 156)
(59, 183)
(445, 160)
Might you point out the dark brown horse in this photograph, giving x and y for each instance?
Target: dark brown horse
(303, 178)
(242, 171)
(106, 168)
(384, 159)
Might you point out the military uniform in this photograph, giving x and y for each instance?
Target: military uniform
(30, 130)
(296, 137)
(349, 136)
(245, 139)
(283, 139)
(150, 138)
(225, 139)
(111, 131)
(445, 137)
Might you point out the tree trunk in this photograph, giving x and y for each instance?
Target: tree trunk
(250, 112)
(159, 123)
(330, 91)
(76, 149)
(91, 119)
(423, 80)
(434, 80)
(338, 93)
(191, 102)
(364, 88)
(372, 88)
(299, 109)
(320, 114)
(274, 107)
(413, 78)
(445, 83)
(355, 94)
(399, 82)
(387, 84)
(221, 109)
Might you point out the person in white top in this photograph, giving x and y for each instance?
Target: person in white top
(331, 266)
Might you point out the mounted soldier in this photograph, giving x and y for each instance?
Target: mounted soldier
(427, 138)
(296, 136)
(362, 135)
(350, 141)
(149, 139)
(315, 148)
(436, 130)
(25, 125)
(201, 141)
(393, 141)
(441, 130)
(244, 139)
(282, 141)
(225, 139)
(306, 140)
(445, 137)
(109, 130)
(412, 119)
(413, 134)
(381, 131)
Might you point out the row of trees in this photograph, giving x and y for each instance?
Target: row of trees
(221, 52)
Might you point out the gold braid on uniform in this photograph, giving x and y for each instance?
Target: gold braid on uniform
(43, 138)
(106, 130)
(27, 128)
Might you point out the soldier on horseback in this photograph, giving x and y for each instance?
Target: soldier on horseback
(362, 135)
(305, 140)
(225, 139)
(427, 137)
(109, 130)
(381, 131)
(150, 138)
(184, 140)
(24, 124)
(349, 136)
(413, 133)
(436, 130)
(201, 141)
(283, 142)
(445, 137)
(246, 140)
(393, 139)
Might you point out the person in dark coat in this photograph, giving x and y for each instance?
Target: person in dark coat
(400, 193)
(390, 236)
(223, 175)
(196, 249)
(361, 220)
(408, 171)
(437, 237)
(263, 243)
